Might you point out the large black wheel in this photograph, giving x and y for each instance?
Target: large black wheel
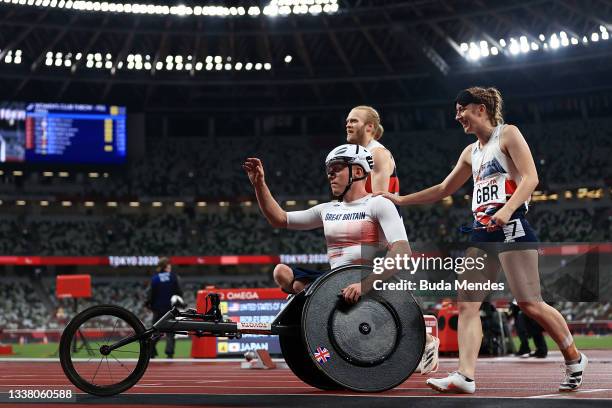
(294, 350)
(297, 358)
(82, 343)
(371, 346)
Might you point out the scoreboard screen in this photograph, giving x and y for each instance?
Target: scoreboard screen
(256, 305)
(63, 133)
(251, 311)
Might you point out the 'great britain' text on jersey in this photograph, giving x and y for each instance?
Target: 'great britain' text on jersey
(345, 217)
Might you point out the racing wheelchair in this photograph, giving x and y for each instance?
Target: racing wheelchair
(371, 346)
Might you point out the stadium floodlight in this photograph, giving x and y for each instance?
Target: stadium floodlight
(66, 203)
(219, 67)
(267, 66)
(585, 40)
(494, 51)
(515, 48)
(594, 37)
(524, 44)
(44, 203)
(502, 42)
(58, 62)
(209, 66)
(209, 59)
(542, 37)
(258, 66)
(90, 204)
(554, 41)
(605, 35)
(289, 58)
(159, 65)
(238, 66)
(198, 66)
(202, 204)
(534, 46)
(156, 204)
(218, 59)
(474, 52)
(574, 41)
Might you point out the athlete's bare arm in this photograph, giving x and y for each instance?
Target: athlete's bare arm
(457, 177)
(513, 144)
(276, 216)
(353, 292)
(383, 168)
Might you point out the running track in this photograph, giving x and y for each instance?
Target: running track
(502, 382)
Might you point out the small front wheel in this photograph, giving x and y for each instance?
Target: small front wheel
(86, 361)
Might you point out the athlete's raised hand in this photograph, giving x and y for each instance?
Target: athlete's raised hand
(255, 171)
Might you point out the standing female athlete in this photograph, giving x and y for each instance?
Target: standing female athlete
(505, 176)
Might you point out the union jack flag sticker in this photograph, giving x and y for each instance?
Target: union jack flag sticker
(322, 355)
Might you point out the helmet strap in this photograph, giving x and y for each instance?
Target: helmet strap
(350, 183)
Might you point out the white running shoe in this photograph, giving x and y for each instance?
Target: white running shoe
(430, 361)
(454, 383)
(573, 374)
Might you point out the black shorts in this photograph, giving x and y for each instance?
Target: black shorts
(517, 234)
(306, 275)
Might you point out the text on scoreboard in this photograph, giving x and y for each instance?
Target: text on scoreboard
(73, 133)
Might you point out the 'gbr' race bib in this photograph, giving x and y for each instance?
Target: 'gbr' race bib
(489, 191)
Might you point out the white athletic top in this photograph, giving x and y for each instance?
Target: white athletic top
(495, 178)
(354, 231)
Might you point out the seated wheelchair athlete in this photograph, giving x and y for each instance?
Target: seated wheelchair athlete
(356, 226)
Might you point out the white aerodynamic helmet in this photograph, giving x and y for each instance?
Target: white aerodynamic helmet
(351, 154)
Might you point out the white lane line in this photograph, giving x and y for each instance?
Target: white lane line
(569, 394)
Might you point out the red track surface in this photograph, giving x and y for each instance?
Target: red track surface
(495, 378)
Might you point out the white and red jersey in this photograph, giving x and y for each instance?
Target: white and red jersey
(394, 186)
(354, 231)
(495, 178)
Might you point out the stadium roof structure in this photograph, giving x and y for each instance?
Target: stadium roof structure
(284, 55)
